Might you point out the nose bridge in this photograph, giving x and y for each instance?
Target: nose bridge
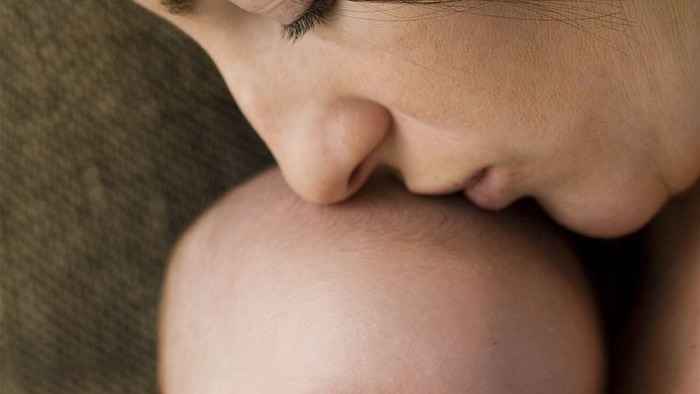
(332, 147)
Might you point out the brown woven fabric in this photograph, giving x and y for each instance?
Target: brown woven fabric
(116, 132)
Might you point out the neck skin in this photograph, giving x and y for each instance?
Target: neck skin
(667, 58)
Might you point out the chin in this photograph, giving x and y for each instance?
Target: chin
(605, 219)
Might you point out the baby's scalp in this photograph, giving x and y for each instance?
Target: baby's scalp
(298, 308)
(594, 116)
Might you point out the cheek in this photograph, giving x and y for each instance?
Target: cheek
(460, 71)
(476, 76)
(481, 80)
(403, 67)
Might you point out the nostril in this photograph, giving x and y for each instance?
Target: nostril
(359, 176)
(361, 173)
(354, 177)
(329, 186)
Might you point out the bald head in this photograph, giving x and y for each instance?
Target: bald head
(387, 292)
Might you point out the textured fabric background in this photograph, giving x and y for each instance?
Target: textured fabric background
(116, 131)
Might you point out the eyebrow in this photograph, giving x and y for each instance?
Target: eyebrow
(179, 7)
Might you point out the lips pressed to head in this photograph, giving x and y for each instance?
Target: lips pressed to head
(564, 114)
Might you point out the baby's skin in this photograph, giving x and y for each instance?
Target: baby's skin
(385, 293)
(590, 108)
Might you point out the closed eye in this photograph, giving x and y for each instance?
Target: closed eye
(314, 15)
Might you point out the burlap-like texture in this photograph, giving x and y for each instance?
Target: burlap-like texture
(116, 132)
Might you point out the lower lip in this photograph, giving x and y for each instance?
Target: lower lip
(486, 192)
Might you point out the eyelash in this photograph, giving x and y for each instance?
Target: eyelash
(312, 17)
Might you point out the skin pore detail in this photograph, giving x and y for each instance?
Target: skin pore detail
(387, 292)
(590, 114)
(605, 15)
(587, 107)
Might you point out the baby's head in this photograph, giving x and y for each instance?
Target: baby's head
(588, 107)
(387, 292)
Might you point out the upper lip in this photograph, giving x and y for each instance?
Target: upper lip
(493, 190)
(456, 188)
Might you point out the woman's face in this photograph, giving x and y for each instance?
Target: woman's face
(488, 102)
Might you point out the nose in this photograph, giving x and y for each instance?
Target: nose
(329, 154)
